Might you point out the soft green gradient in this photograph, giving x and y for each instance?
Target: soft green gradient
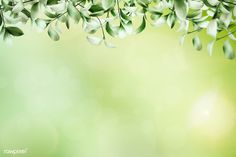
(149, 97)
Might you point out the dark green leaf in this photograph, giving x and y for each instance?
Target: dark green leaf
(228, 50)
(52, 2)
(96, 8)
(142, 26)
(15, 31)
(110, 30)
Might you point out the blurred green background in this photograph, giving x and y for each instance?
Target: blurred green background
(148, 97)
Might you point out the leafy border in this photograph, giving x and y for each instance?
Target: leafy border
(119, 18)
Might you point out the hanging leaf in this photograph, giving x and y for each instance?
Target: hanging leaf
(52, 2)
(109, 45)
(73, 12)
(0, 20)
(181, 8)
(15, 31)
(141, 27)
(41, 23)
(53, 34)
(35, 9)
(228, 50)
(210, 47)
(94, 40)
(212, 28)
(171, 20)
(111, 31)
(18, 7)
(106, 4)
(197, 43)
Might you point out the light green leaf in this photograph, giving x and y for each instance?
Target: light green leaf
(196, 5)
(181, 39)
(197, 43)
(35, 9)
(212, 28)
(53, 34)
(94, 40)
(181, 8)
(159, 22)
(18, 7)
(73, 12)
(228, 50)
(106, 4)
(108, 44)
(210, 47)
(41, 23)
(213, 2)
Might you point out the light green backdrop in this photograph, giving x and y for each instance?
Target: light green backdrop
(148, 97)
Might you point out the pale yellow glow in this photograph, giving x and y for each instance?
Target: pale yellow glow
(212, 115)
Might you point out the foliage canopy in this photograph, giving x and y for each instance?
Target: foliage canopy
(119, 18)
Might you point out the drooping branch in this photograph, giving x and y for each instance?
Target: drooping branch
(117, 18)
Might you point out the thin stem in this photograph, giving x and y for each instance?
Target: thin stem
(217, 39)
(103, 32)
(194, 31)
(66, 12)
(118, 8)
(100, 23)
(28, 1)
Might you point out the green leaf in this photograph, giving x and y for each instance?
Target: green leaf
(171, 20)
(49, 14)
(96, 8)
(210, 47)
(110, 30)
(15, 31)
(181, 9)
(18, 7)
(107, 4)
(73, 12)
(141, 27)
(67, 23)
(35, 9)
(53, 34)
(211, 3)
(41, 23)
(52, 2)
(0, 20)
(26, 12)
(228, 50)
(108, 44)
(124, 17)
(197, 43)
(94, 40)
(212, 28)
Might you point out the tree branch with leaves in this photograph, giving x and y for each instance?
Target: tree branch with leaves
(119, 18)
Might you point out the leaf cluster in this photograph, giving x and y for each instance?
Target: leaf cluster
(119, 18)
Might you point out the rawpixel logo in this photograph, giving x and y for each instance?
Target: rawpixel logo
(15, 151)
